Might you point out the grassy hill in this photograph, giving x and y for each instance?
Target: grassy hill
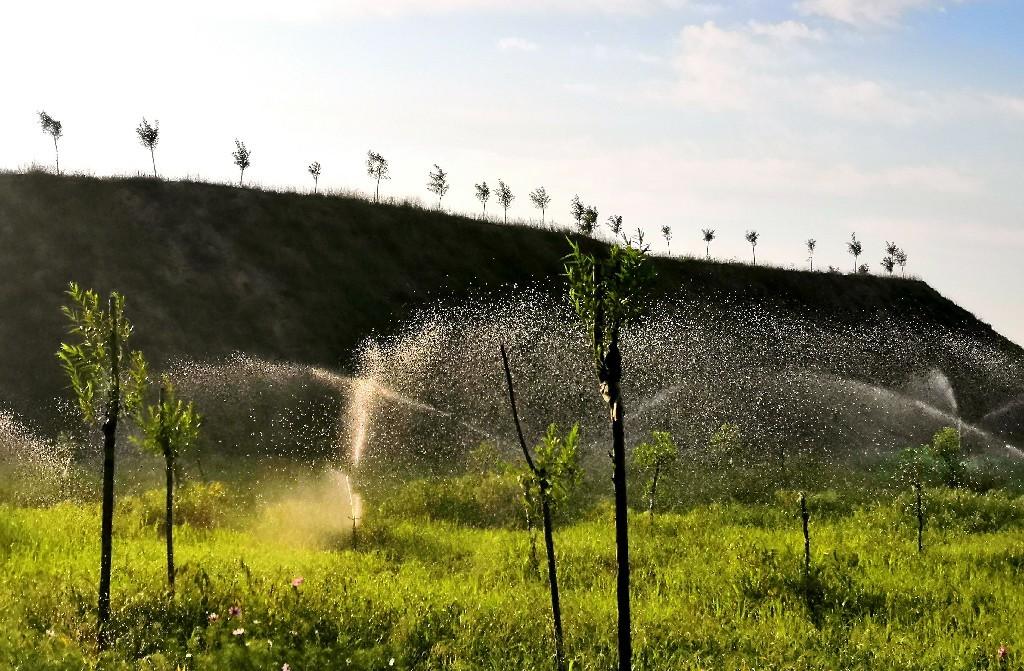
(211, 269)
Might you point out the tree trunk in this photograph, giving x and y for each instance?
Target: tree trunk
(805, 518)
(654, 489)
(376, 193)
(316, 184)
(754, 252)
(556, 606)
(56, 152)
(152, 157)
(920, 517)
(169, 473)
(241, 175)
(107, 514)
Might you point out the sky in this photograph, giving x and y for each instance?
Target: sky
(897, 120)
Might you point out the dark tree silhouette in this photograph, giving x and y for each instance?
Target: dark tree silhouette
(504, 196)
(483, 194)
(377, 167)
(615, 225)
(588, 222)
(752, 237)
(149, 136)
(855, 248)
(889, 264)
(576, 210)
(314, 170)
(609, 293)
(54, 129)
(901, 260)
(811, 245)
(241, 155)
(106, 387)
(666, 232)
(553, 472)
(541, 200)
(709, 236)
(438, 183)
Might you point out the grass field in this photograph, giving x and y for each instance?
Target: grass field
(716, 586)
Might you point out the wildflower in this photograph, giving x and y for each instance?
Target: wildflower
(286, 667)
(1003, 653)
(238, 632)
(212, 617)
(234, 611)
(297, 581)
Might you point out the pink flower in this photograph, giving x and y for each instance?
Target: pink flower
(1003, 653)
(234, 611)
(286, 667)
(238, 632)
(213, 617)
(297, 581)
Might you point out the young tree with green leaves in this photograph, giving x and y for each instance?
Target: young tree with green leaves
(437, 183)
(709, 236)
(168, 428)
(55, 130)
(655, 457)
(751, 237)
(483, 194)
(947, 449)
(554, 472)
(242, 157)
(856, 249)
(107, 382)
(541, 200)
(504, 196)
(314, 170)
(608, 293)
(378, 169)
(811, 244)
(149, 136)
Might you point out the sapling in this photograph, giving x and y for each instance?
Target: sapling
(666, 232)
(377, 168)
(553, 473)
(438, 184)
(168, 428)
(149, 136)
(107, 382)
(709, 236)
(654, 457)
(541, 200)
(805, 519)
(901, 260)
(855, 248)
(53, 128)
(576, 210)
(242, 156)
(608, 293)
(483, 194)
(503, 194)
(588, 222)
(811, 245)
(314, 170)
(751, 237)
(615, 224)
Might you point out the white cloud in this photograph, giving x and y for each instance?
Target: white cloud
(787, 31)
(867, 12)
(517, 44)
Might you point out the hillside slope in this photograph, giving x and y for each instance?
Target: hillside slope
(210, 269)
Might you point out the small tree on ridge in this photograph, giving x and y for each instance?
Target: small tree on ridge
(53, 128)
(483, 194)
(504, 196)
(811, 245)
(377, 168)
(149, 136)
(541, 200)
(241, 155)
(855, 248)
(752, 237)
(314, 170)
(438, 183)
(709, 236)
